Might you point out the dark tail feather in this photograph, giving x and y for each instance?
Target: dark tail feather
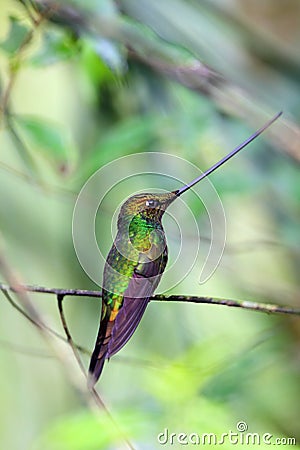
(96, 365)
(100, 352)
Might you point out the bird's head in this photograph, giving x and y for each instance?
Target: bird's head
(147, 206)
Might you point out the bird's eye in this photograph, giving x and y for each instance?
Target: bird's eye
(151, 203)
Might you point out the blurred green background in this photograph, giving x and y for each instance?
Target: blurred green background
(84, 93)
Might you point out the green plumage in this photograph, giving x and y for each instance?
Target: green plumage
(132, 272)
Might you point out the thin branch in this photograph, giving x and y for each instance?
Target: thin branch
(94, 393)
(16, 65)
(49, 329)
(19, 55)
(63, 319)
(244, 304)
(45, 187)
(20, 145)
(45, 290)
(92, 397)
(27, 351)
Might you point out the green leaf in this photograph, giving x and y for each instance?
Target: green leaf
(15, 37)
(47, 138)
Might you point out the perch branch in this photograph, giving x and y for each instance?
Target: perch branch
(244, 304)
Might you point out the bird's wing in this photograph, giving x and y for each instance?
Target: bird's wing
(117, 326)
(136, 298)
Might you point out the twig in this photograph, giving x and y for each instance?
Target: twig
(38, 353)
(17, 57)
(94, 393)
(15, 67)
(45, 187)
(39, 321)
(23, 150)
(28, 317)
(244, 304)
(60, 299)
(64, 292)
(22, 350)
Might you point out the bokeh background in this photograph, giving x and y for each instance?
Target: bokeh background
(105, 79)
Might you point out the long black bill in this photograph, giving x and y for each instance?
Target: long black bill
(227, 157)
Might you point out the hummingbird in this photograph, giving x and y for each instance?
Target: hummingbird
(135, 264)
